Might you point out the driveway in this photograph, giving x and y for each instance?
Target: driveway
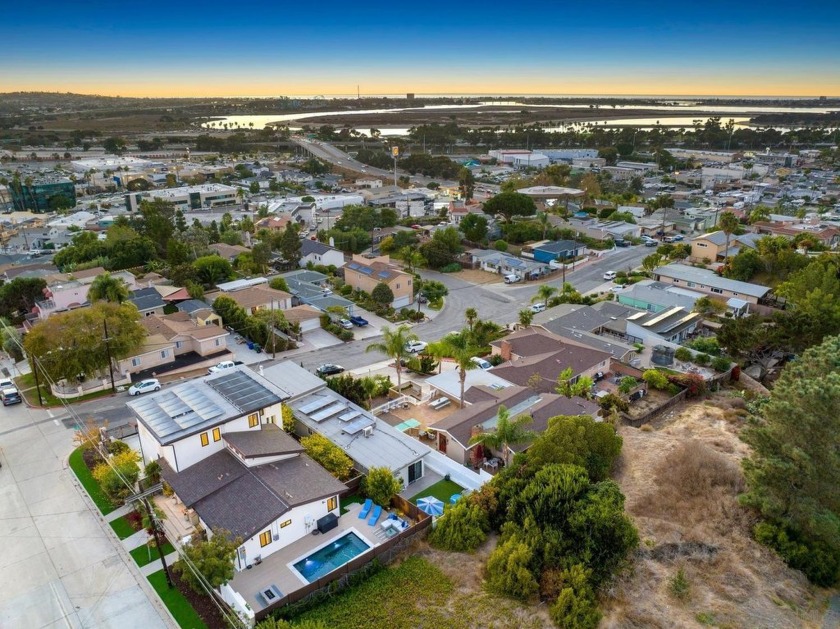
(60, 566)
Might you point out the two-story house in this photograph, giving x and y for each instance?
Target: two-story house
(364, 274)
(222, 452)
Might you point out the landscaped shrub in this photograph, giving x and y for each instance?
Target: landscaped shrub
(500, 245)
(702, 359)
(695, 384)
(683, 354)
(655, 379)
(345, 335)
(707, 345)
(721, 364)
(331, 457)
(380, 485)
(152, 472)
(288, 418)
(462, 528)
(119, 477)
(135, 520)
(452, 267)
(118, 447)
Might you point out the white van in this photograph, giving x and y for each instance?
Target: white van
(539, 307)
(511, 279)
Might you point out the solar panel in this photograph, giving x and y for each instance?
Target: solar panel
(319, 403)
(638, 315)
(358, 425)
(663, 316)
(346, 417)
(384, 274)
(243, 392)
(328, 412)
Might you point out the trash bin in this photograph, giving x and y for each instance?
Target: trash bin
(250, 345)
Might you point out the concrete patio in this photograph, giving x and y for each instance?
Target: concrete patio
(274, 569)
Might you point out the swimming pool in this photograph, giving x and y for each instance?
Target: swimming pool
(331, 556)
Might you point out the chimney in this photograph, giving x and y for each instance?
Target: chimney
(506, 350)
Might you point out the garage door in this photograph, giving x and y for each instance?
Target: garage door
(401, 302)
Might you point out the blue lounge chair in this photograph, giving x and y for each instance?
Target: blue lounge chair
(377, 511)
(365, 509)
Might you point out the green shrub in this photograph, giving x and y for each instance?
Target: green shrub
(508, 571)
(576, 607)
(118, 447)
(330, 456)
(707, 345)
(683, 354)
(452, 267)
(345, 335)
(500, 245)
(721, 364)
(462, 528)
(818, 561)
(380, 485)
(702, 359)
(679, 585)
(655, 379)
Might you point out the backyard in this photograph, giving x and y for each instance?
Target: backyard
(443, 490)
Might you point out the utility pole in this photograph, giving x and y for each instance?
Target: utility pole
(37, 383)
(273, 335)
(156, 533)
(108, 351)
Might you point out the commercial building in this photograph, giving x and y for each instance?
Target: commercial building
(185, 198)
(43, 195)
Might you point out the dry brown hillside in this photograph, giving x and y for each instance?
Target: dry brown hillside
(681, 477)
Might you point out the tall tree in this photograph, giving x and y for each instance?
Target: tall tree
(471, 315)
(290, 246)
(728, 224)
(507, 433)
(510, 204)
(393, 345)
(18, 297)
(466, 183)
(108, 288)
(544, 293)
(794, 469)
(474, 227)
(461, 348)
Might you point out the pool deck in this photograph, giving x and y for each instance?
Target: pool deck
(274, 570)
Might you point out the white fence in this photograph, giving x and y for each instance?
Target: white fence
(462, 475)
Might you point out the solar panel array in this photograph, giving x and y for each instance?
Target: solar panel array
(243, 392)
(346, 417)
(328, 412)
(358, 425)
(317, 404)
(176, 410)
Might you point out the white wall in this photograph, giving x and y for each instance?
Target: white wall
(286, 535)
(464, 476)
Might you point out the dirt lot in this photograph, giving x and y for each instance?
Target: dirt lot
(681, 476)
(477, 276)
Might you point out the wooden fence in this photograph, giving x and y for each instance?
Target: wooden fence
(341, 578)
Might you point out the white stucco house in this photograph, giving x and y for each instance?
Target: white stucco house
(221, 448)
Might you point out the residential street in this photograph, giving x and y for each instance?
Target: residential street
(61, 566)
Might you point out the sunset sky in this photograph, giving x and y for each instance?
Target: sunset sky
(326, 48)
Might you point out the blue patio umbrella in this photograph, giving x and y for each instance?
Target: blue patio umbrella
(430, 505)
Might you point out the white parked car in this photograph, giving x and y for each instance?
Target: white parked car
(415, 347)
(481, 363)
(346, 324)
(539, 307)
(609, 275)
(144, 386)
(617, 288)
(225, 364)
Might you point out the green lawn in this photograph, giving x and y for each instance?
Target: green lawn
(178, 606)
(413, 594)
(142, 556)
(349, 500)
(77, 464)
(122, 528)
(26, 385)
(442, 490)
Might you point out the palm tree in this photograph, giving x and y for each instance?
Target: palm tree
(507, 433)
(108, 288)
(461, 349)
(543, 294)
(471, 315)
(542, 219)
(729, 225)
(582, 387)
(526, 316)
(393, 346)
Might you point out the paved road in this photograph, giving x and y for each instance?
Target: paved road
(60, 566)
(328, 153)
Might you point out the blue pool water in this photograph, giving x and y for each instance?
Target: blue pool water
(332, 556)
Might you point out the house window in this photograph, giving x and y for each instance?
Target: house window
(717, 291)
(179, 344)
(332, 503)
(218, 342)
(217, 434)
(164, 353)
(135, 362)
(691, 284)
(702, 244)
(253, 420)
(205, 441)
(265, 538)
(285, 524)
(398, 284)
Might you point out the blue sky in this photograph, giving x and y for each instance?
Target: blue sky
(265, 49)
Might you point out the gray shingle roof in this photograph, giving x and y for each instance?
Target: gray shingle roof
(704, 277)
(146, 299)
(270, 440)
(228, 495)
